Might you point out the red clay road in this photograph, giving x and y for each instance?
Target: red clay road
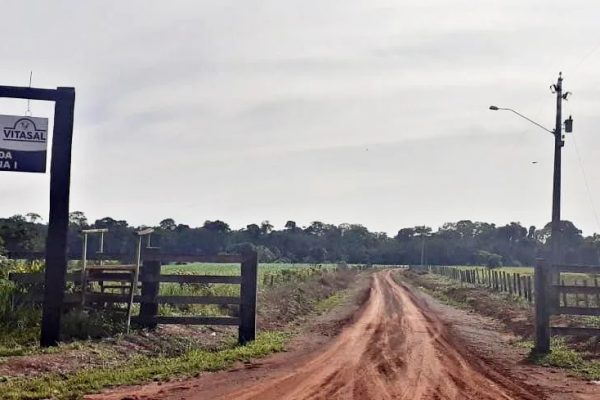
(396, 348)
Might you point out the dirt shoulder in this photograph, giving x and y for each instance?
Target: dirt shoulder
(490, 327)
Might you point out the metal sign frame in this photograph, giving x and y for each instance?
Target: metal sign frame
(60, 183)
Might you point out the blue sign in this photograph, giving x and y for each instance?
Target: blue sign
(23, 143)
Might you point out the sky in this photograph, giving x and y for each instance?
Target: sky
(344, 111)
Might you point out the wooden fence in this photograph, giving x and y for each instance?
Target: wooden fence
(500, 281)
(554, 297)
(150, 299)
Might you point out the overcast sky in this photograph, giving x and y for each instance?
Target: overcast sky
(371, 112)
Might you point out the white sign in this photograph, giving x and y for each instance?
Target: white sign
(23, 143)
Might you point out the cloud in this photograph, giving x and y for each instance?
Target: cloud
(185, 108)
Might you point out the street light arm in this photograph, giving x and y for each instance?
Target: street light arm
(522, 116)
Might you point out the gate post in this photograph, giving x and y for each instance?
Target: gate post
(543, 298)
(247, 330)
(149, 276)
(58, 223)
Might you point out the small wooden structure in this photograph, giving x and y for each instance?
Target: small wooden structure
(130, 273)
(548, 301)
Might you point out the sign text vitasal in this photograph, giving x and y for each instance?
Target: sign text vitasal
(23, 143)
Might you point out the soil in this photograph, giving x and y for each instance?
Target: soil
(401, 344)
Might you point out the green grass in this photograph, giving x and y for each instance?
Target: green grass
(139, 370)
(561, 356)
(328, 303)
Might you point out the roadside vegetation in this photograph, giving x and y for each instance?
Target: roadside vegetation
(578, 354)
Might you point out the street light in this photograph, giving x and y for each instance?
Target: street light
(494, 108)
(558, 144)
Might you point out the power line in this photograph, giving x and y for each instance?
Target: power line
(585, 180)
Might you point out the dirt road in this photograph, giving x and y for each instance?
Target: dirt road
(396, 348)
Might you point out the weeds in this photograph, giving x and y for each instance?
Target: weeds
(138, 370)
(562, 356)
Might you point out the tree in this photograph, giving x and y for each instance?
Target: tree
(253, 230)
(265, 227)
(167, 224)
(291, 226)
(33, 217)
(78, 220)
(216, 226)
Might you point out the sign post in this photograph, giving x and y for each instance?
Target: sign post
(28, 153)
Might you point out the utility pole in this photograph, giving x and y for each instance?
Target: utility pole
(558, 144)
(556, 231)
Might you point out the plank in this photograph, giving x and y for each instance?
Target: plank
(191, 320)
(225, 258)
(112, 298)
(38, 278)
(577, 289)
(579, 269)
(564, 330)
(19, 92)
(576, 311)
(111, 268)
(197, 300)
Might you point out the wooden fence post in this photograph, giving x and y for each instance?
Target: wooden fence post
(149, 276)
(542, 307)
(247, 331)
(597, 294)
(530, 289)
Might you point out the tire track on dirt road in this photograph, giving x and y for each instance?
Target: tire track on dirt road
(397, 348)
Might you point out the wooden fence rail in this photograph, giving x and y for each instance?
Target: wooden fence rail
(551, 293)
(150, 299)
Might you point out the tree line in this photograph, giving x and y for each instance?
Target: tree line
(454, 243)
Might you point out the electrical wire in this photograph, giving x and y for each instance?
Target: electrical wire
(585, 181)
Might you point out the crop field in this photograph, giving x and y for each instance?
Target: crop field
(268, 275)
(234, 269)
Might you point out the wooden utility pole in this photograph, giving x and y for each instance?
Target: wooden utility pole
(558, 144)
